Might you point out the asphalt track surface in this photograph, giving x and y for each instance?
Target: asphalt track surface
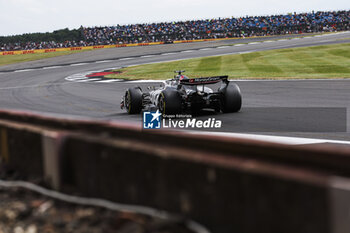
(301, 108)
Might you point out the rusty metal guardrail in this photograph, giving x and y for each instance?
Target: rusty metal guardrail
(227, 184)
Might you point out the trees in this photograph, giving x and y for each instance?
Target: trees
(61, 35)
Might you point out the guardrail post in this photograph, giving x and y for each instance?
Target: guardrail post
(4, 150)
(340, 205)
(51, 156)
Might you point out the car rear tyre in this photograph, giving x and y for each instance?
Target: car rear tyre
(232, 98)
(170, 102)
(133, 100)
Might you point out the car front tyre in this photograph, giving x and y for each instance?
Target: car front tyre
(133, 100)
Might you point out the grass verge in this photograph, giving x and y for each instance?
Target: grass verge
(322, 62)
(12, 59)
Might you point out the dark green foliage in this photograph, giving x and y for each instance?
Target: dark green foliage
(57, 36)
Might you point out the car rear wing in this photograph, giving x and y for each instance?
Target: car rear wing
(204, 80)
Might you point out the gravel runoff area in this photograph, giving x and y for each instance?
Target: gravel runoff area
(24, 211)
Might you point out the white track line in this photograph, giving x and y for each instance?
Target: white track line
(104, 61)
(88, 80)
(187, 51)
(239, 44)
(164, 54)
(24, 70)
(223, 47)
(127, 58)
(268, 41)
(254, 43)
(148, 56)
(109, 81)
(206, 49)
(247, 52)
(51, 67)
(275, 139)
(78, 64)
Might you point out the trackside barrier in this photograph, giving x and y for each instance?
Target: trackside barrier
(227, 184)
(36, 51)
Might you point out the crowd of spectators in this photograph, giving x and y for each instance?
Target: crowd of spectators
(41, 45)
(202, 29)
(220, 28)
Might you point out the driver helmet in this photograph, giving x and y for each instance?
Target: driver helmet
(183, 77)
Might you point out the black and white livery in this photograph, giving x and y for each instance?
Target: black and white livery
(182, 94)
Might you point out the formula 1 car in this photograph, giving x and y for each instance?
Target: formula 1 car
(182, 94)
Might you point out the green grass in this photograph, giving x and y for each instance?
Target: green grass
(327, 61)
(12, 59)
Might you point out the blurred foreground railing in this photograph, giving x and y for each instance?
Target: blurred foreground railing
(227, 184)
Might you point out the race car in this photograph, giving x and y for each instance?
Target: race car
(182, 94)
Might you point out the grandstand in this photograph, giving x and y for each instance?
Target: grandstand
(186, 30)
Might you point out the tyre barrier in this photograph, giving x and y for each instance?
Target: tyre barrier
(226, 184)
